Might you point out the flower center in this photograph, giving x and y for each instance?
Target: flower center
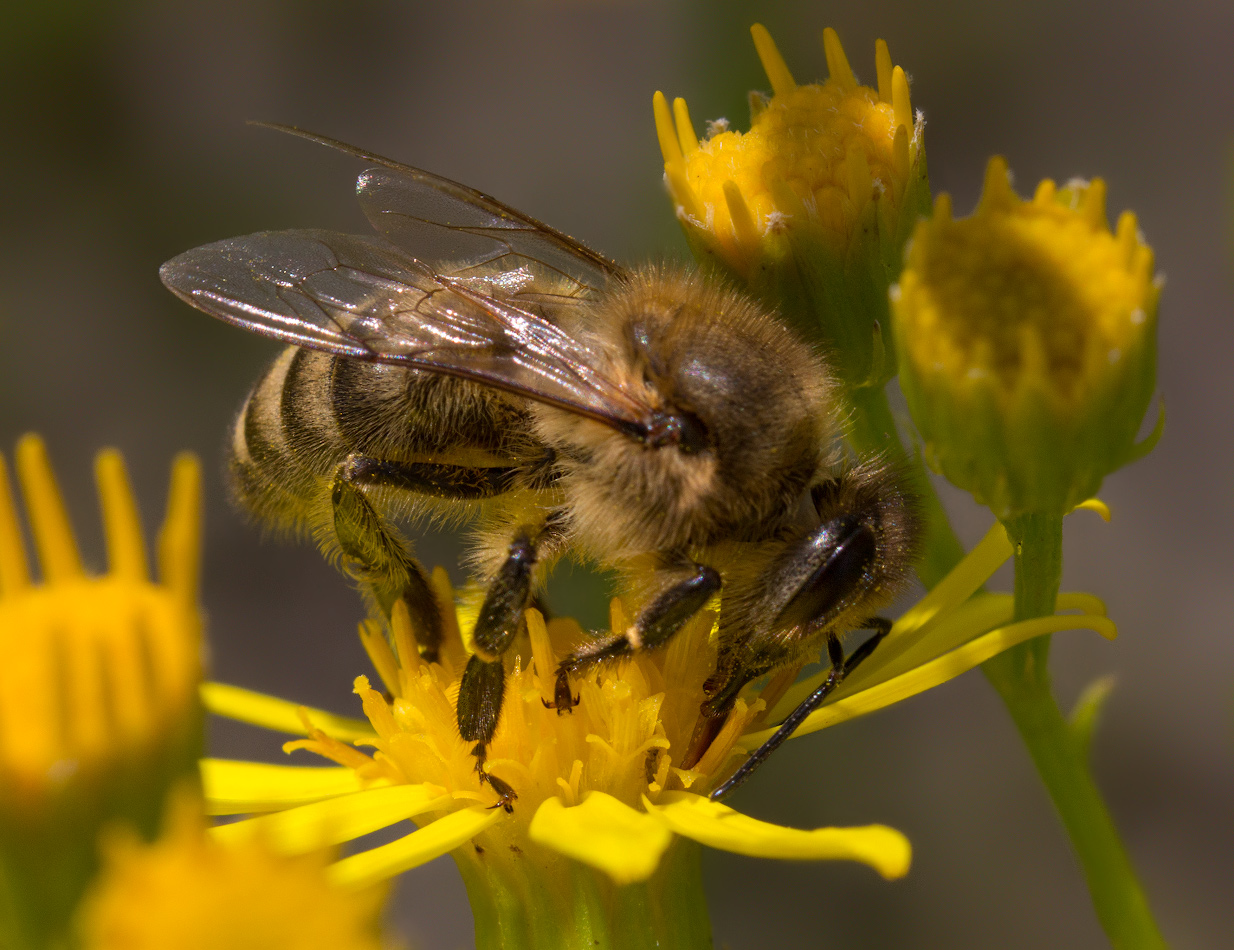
(628, 736)
(1026, 289)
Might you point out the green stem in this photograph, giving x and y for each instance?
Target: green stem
(529, 898)
(1022, 677)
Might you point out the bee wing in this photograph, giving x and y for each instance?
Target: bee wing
(358, 297)
(434, 218)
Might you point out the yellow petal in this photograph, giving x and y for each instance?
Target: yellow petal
(938, 671)
(270, 712)
(989, 554)
(238, 788)
(718, 826)
(126, 545)
(419, 847)
(605, 833)
(49, 521)
(335, 820)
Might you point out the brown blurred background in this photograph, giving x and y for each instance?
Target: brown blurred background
(124, 143)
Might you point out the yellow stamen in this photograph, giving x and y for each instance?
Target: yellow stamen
(49, 522)
(14, 576)
(883, 67)
(685, 128)
(670, 146)
(743, 222)
(837, 63)
(782, 82)
(900, 102)
(179, 544)
(126, 546)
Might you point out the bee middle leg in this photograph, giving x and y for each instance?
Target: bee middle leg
(378, 557)
(498, 623)
(653, 627)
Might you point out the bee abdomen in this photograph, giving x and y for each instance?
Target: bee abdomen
(285, 444)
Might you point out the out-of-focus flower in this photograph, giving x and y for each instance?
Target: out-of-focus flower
(188, 891)
(99, 708)
(1027, 337)
(601, 787)
(811, 207)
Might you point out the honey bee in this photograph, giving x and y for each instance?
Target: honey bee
(648, 420)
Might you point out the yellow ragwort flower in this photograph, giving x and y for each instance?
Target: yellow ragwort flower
(1027, 335)
(603, 787)
(811, 207)
(190, 892)
(99, 708)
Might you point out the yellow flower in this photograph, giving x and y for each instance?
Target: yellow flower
(810, 208)
(1027, 335)
(190, 892)
(604, 786)
(99, 708)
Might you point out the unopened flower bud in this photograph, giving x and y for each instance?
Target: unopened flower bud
(809, 210)
(1027, 341)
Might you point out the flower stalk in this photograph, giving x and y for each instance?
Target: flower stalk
(536, 899)
(1022, 678)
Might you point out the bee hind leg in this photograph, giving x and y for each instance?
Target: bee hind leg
(382, 563)
(653, 627)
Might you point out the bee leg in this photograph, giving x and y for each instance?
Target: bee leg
(381, 560)
(657, 623)
(484, 679)
(840, 668)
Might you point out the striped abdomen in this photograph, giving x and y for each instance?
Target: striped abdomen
(311, 410)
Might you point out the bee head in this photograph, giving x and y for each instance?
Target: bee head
(741, 417)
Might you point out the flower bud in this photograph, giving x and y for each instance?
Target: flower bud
(99, 712)
(1027, 340)
(808, 210)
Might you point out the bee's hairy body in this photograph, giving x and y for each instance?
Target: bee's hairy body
(651, 421)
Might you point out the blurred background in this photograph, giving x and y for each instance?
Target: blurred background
(125, 143)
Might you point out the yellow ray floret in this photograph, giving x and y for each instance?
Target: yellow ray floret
(602, 785)
(192, 892)
(97, 670)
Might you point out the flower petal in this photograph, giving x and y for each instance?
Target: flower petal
(718, 826)
(237, 788)
(981, 614)
(964, 580)
(419, 847)
(335, 820)
(604, 832)
(281, 715)
(937, 671)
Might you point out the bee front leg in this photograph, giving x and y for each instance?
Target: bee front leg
(840, 668)
(657, 623)
(484, 680)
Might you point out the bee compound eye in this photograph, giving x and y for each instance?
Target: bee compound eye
(679, 428)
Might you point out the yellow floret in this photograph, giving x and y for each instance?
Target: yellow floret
(810, 208)
(1027, 341)
(189, 892)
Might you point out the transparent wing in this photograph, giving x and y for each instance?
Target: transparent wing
(360, 297)
(434, 218)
